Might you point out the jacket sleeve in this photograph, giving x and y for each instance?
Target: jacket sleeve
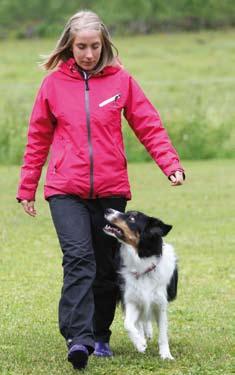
(146, 123)
(40, 134)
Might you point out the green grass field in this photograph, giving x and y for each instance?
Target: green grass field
(189, 77)
(201, 319)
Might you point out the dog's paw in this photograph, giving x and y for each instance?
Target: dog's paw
(166, 354)
(168, 357)
(141, 346)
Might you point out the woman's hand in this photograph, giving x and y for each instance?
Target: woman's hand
(177, 178)
(28, 207)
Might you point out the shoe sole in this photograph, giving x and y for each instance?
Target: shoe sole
(78, 358)
(99, 354)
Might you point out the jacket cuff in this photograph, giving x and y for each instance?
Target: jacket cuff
(179, 170)
(25, 195)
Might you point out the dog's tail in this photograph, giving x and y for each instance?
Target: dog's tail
(172, 286)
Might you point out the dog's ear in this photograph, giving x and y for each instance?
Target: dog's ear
(156, 226)
(151, 237)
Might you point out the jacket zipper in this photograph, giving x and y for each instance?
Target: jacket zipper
(88, 124)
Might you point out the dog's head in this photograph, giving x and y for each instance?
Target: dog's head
(142, 232)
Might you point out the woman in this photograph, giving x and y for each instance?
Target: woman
(77, 115)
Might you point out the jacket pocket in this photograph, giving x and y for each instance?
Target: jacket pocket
(120, 152)
(62, 154)
(109, 111)
(59, 160)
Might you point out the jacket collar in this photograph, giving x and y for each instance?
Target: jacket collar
(70, 68)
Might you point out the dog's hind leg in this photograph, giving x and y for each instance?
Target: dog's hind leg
(131, 324)
(164, 349)
(140, 327)
(148, 330)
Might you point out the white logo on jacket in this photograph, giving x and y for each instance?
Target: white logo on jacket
(110, 100)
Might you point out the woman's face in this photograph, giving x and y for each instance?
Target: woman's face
(87, 48)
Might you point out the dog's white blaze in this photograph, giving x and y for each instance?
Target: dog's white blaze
(112, 215)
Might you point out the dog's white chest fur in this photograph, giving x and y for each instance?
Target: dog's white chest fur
(147, 289)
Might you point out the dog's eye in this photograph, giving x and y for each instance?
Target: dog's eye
(132, 219)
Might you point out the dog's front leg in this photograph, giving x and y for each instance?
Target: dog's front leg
(131, 322)
(164, 349)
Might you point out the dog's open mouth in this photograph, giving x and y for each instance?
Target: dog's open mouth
(113, 230)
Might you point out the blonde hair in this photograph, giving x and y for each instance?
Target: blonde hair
(79, 21)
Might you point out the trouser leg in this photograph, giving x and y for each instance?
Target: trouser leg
(106, 250)
(76, 307)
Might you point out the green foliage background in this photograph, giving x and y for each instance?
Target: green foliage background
(29, 18)
(189, 77)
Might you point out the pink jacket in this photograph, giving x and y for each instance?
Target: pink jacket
(79, 119)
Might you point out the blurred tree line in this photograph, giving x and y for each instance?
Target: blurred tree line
(45, 18)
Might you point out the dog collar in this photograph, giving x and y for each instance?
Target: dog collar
(149, 269)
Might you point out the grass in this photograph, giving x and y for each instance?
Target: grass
(202, 317)
(189, 77)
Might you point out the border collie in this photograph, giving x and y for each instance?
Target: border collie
(149, 271)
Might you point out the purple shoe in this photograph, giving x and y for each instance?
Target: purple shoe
(78, 356)
(102, 349)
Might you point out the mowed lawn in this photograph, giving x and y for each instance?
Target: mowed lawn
(202, 213)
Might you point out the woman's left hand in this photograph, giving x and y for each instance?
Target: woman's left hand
(177, 178)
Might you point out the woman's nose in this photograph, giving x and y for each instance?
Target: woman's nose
(89, 53)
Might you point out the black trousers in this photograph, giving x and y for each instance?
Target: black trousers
(90, 262)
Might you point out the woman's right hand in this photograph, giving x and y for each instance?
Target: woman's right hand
(28, 207)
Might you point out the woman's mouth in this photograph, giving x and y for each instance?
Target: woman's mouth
(88, 62)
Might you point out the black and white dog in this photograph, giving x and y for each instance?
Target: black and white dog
(150, 275)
